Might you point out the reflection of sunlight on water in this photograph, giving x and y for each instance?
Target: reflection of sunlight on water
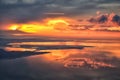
(44, 43)
(18, 49)
(78, 59)
(60, 54)
(96, 57)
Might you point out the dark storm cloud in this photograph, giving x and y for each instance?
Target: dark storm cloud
(106, 18)
(25, 10)
(21, 11)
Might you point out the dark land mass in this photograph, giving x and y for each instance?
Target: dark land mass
(17, 54)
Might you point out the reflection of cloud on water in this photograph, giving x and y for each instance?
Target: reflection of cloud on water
(89, 63)
(83, 59)
(86, 63)
(14, 49)
(71, 55)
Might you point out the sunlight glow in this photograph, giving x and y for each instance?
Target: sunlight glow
(14, 27)
(53, 22)
(37, 27)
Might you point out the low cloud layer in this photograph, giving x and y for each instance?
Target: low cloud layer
(101, 22)
(22, 11)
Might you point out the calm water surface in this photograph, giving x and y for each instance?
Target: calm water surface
(98, 60)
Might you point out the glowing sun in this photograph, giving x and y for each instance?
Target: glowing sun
(36, 27)
(14, 27)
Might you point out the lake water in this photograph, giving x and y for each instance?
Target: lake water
(66, 60)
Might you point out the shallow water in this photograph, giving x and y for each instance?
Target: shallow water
(97, 60)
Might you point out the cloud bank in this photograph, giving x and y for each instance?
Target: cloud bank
(25, 10)
(101, 22)
(22, 11)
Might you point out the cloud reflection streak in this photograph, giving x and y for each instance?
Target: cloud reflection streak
(73, 54)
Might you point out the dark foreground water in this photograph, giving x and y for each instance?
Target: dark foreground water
(75, 60)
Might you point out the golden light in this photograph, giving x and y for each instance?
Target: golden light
(114, 28)
(14, 27)
(42, 28)
(33, 28)
(54, 22)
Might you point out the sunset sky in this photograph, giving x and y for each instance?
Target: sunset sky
(61, 18)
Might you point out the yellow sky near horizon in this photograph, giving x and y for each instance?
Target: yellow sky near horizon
(64, 27)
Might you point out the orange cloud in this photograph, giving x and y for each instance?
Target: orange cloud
(45, 27)
(65, 27)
